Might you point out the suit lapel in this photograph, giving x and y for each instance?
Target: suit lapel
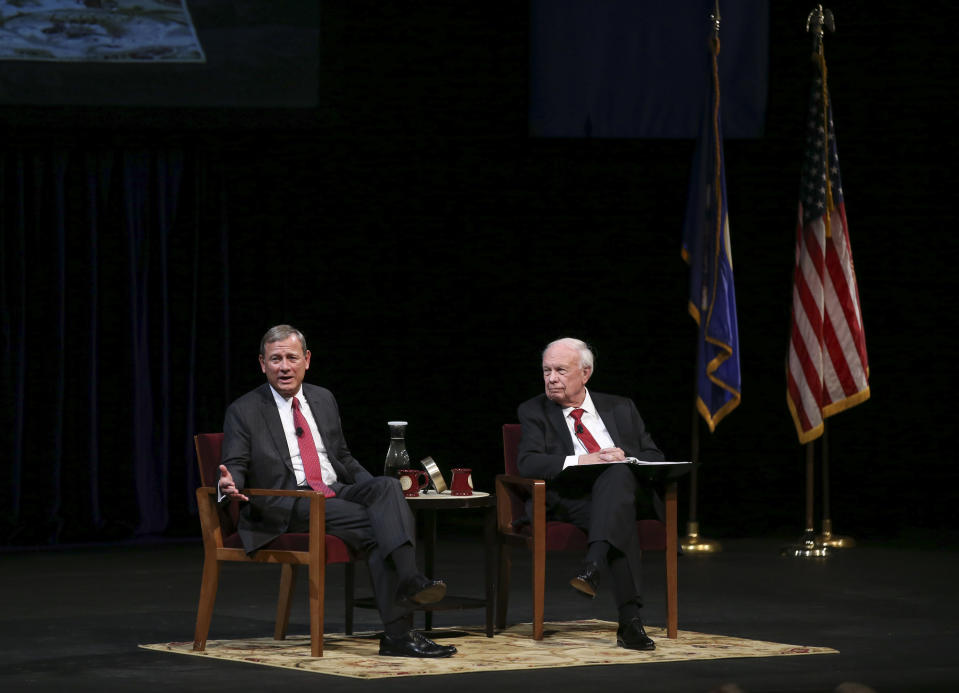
(319, 411)
(608, 414)
(554, 413)
(316, 408)
(271, 418)
(319, 416)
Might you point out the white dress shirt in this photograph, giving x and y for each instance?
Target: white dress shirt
(592, 423)
(285, 407)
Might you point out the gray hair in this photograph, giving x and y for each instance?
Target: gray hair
(585, 353)
(278, 333)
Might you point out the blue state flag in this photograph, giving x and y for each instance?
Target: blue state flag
(712, 294)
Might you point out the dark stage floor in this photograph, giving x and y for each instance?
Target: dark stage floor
(72, 620)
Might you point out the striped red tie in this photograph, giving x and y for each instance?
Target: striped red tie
(308, 453)
(583, 433)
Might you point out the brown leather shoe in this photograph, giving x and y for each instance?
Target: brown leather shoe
(419, 589)
(587, 581)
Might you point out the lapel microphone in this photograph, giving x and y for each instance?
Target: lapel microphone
(579, 428)
(299, 432)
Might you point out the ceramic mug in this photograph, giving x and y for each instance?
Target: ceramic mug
(462, 483)
(412, 480)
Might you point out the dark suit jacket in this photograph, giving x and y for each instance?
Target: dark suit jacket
(256, 453)
(546, 440)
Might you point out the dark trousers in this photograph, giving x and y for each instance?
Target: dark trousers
(374, 518)
(603, 504)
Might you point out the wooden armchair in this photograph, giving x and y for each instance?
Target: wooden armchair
(540, 536)
(221, 543)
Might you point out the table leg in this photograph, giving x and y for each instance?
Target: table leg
(489, 539)
(429, 555)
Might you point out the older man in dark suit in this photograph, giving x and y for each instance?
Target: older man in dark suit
(566, 432)
(285, 435)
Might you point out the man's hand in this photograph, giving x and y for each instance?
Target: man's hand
(604, 456)
(227, 485)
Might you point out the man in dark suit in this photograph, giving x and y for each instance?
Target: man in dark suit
(285, 435)
(568, 429)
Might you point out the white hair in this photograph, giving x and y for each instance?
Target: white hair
(585, 353)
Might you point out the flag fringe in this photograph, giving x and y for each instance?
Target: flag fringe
(712, 420)
(804, 436)
(847, 403)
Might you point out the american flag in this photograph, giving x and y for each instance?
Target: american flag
(827, 370)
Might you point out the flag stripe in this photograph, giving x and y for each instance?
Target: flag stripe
(799, 379)
(804, 344)
(837, 378)
(797, 404)
(849, 296)
(845, 300)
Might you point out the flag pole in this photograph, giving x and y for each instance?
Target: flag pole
(827, 537)
(692, 542)
(821, 17)
(810, 545)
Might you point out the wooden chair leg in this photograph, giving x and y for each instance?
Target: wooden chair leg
(317, 596)
(349, 575)
(285, 601)
(672, 572)
(502, 586)
(491, 561)
(204, 610)
(539, 589)
(316, 577)
(539, 558)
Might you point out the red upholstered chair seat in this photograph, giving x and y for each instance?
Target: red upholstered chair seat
(336, 550)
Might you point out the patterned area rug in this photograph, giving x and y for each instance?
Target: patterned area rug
(567, 644)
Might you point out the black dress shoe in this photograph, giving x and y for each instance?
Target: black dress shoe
(587, 581)
(633, 636)
(413, 644)
(419, 589)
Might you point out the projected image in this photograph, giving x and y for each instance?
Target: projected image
(98, 31)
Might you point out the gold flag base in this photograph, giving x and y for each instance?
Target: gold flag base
(693, 543)
(834, 541)
(809, 546)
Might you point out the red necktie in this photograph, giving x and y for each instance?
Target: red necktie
(583, 433)
(308, 455)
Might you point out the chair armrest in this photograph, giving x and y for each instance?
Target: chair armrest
(282, 492)
(295, 493)
(518, 482)
(213, 491)
(210, 520)
(511, 493)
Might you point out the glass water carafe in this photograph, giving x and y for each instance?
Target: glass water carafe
(397, 457)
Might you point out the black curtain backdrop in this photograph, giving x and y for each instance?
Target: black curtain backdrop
(112, 258)
(636, 68)
(429, 249)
